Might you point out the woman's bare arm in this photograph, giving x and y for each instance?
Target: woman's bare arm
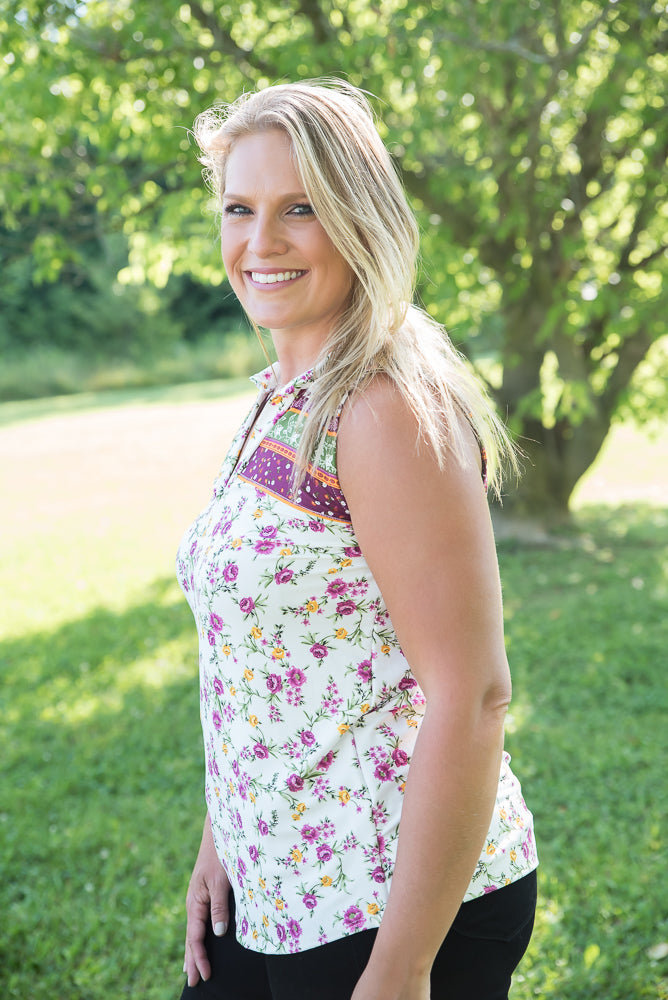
(427, 537)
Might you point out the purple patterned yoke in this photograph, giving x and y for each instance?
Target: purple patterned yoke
(271, 464)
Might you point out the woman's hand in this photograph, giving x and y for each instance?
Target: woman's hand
(208, 895)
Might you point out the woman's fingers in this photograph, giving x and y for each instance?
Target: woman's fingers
(220, 905)
(196, 959)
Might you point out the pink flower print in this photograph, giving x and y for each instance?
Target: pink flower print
(241, 866)
(263, 827)
(319, 651)
(378, 875)
(283, 576)
(274, 683)
(231, 572)
(489, 888)
(264, 545)
(406, 683)
(326, 762)
(316, 526)
(216, 719)
(379, 814)
(351, 551)
(211, 637)
(324, 853)
(296, 677)
(310, 901)
(353, 919)
(216, 622)
(218, 686)
(364, 670)
(269, 531)
(261, 751)
(320, 788)
(295, 783)
(400, 757)
(253, 853)
(307, 737)
(247, 604)
(244, 927)
(384, 772)
(309, 834)
(280, 932)
(337, 587)
(346, 608)
(294, 927)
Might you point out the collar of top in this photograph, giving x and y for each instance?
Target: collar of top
(270, 378)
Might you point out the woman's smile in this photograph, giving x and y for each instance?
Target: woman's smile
(274, 277)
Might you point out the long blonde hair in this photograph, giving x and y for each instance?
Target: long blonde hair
(355, 192)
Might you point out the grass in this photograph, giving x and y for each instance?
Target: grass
(101, 789)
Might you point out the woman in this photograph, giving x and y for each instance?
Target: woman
(360, 809)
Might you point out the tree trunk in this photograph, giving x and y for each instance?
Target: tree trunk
(555, 459)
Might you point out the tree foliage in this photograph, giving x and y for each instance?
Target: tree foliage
(532, 139)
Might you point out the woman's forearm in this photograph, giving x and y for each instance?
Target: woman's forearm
(450, 795)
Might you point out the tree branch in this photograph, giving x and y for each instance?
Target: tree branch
(247, 62)
(322, 28)
(659, 252)
(630, 353)
(511, 47)
(645, 211)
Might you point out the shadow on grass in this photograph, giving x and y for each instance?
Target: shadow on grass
(101, 801)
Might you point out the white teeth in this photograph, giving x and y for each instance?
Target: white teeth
(271, 279)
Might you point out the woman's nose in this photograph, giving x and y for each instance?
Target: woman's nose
(266, 237)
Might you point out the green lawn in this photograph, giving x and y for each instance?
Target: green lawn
(101, 788)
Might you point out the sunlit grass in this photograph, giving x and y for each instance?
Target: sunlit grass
(101, 798)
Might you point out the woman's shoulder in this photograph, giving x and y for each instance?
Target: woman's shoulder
(379, 424)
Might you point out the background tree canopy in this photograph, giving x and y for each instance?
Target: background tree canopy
(532, 139)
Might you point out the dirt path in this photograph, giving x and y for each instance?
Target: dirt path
(110, 465)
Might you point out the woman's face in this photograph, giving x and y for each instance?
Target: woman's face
(280, 262)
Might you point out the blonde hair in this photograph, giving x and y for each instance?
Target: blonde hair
(356, 194)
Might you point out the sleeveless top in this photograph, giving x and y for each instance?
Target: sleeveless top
(309, 709)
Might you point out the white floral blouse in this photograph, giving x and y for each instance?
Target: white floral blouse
(309, 709)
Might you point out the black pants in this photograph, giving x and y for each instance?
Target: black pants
(476, 960)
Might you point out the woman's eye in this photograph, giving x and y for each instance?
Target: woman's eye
(233, 209)
(303, 209)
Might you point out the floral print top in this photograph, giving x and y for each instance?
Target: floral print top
(309, 709)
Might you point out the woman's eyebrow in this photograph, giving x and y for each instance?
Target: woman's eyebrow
(292, 196)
